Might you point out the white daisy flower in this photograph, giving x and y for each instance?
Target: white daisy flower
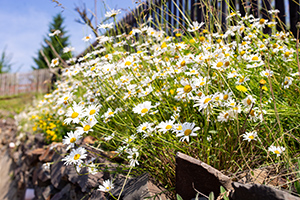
(87, 38)
(266, 73)
(54, 62)
(187, 130)
(276, 150)
(107, 186)
(75, 157)
(248, 101)
(56, 32)
(203, 102)
(71, 139)
(195, 26)
(250, 136)
(86, 126)
(287, 82)
(223, 116)
(165, 126)
(112, 13)
(133, 155)
(143, 108)
(74, 114)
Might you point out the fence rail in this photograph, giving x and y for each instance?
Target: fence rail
(16, 83)
(170, 12)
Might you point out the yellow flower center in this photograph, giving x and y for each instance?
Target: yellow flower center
(187, 132)
(255, 58)
(249, 102)
(92, 112)
(127, 63)
(144, 128)
(163, 45)
(251, 137)
(225, 97)
(262, 81)
(77, 156)
(277, 152)
(179, 127)
(93, 68)
(207, 100)
(252, 113)
(226, 115)
(144, 110)
(219, 64)
(72, 140)
(187, 88)
(262, 21)
(66, 98)
(286, 54)
(87, 127)
(168, 127)
(110, 113)
(182, 63)
(74, 115)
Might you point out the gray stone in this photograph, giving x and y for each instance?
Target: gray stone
(137, 188)
(88, 181)
(194, 174)
(60, 195)
(259, 192)
(57, 172)
(47, 191)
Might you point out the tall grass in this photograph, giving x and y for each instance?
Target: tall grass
(226, 98)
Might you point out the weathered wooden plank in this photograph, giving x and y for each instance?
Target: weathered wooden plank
(16, 83)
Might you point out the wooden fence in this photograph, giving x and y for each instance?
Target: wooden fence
(170, 13)
(16, 83)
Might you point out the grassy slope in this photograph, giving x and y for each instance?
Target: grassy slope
(10, 105)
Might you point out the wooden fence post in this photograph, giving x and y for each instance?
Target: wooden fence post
(294, 15)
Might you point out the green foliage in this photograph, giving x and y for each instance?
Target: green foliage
(5, 62)
(58, 42)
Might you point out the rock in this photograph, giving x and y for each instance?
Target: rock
(61, 194)
(48, 191)
(192, 173)
(47, 155)
(57, 172)
(88, 181)
(42, 175)
(89, 140)
(259, 192)
(137, 188)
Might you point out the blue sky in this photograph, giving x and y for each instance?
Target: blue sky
(24, 24)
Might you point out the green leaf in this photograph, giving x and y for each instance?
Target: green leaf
(211, 196)
(222, 189)
(297, 186)
(197, 196)
(178, 197)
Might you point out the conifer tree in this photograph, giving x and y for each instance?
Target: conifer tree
(57, 41)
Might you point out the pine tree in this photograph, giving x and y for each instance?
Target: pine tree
(5, 62)
(58, 42)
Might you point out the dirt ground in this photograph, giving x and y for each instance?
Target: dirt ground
(8, 186)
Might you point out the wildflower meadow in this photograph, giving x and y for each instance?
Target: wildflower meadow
(228, 98)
